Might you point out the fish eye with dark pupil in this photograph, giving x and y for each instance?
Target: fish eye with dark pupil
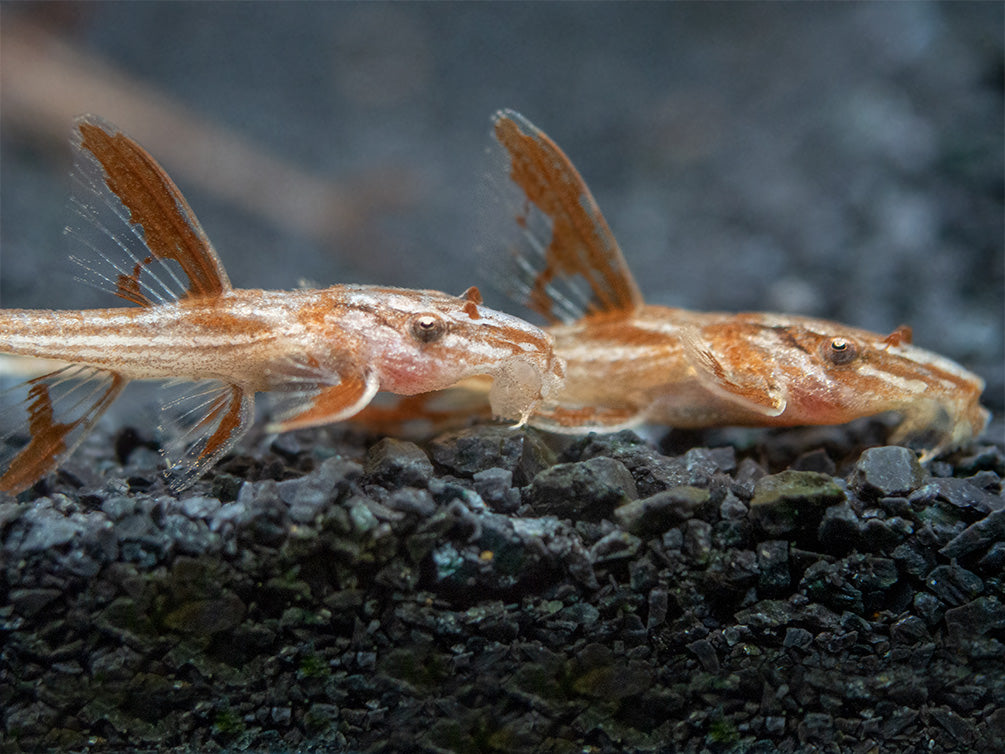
(427, 327)
(841, 351)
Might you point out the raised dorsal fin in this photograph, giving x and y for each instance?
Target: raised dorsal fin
(566, 263)
(143, 236)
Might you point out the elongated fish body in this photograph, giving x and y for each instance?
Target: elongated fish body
(669, 366)
(251, 337)
(326, 352)
(628, 362)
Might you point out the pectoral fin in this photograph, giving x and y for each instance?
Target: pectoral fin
(426, 414)
(743, 384)
(61, 407)
(572, 420)
(311, 405)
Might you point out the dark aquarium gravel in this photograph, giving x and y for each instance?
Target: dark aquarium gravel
(501, 590)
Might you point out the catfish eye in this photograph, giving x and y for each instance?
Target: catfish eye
(427, 327)
(840, 351)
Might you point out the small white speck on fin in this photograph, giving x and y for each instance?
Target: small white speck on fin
(202, 422)
(744, 384)
(60, 408)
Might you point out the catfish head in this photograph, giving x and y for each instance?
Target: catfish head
(421, 341)
(785, 371)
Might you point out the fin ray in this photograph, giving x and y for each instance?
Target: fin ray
(570, 420)
(326, 404)
(312, 394)
(119, 185)
(99, 218)
(425, 414)
(94, 225)
(62, 407)
(744, 386)
(566, 258)
(202, 422)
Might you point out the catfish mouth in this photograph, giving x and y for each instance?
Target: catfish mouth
(519, 385)
(937, 426)
(516, 389)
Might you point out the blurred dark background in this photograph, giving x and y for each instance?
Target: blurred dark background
(837, 160)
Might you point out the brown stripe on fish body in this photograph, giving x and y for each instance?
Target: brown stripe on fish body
(785, 335)
(620, 348)
(921, 364)
(123, 338)
(512, 338)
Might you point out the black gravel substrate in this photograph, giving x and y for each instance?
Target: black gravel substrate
(490, 590)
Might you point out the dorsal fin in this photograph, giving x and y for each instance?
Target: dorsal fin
(568, 261)
(124, 195)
